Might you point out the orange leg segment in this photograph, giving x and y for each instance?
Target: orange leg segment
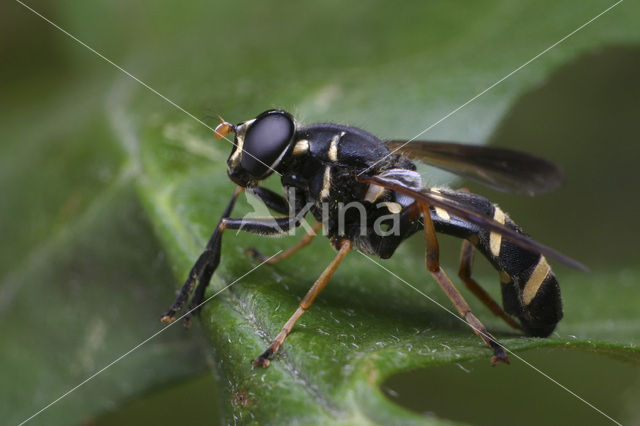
(466, 262)
(433, 265)
(304, 241)
(264, 359)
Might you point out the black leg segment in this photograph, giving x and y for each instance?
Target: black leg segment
(274, 201)
(210, 258)
(205, 266)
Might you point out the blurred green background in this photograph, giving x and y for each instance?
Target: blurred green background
(109, 192)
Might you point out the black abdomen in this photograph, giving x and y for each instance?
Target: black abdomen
(530, 290)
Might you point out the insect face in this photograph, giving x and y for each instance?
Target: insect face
(260, 145)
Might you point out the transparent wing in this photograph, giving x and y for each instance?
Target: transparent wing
(498, 168)
(450, 204)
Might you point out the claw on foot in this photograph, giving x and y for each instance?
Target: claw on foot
(498, 358)
(167, 318)
(263, 360)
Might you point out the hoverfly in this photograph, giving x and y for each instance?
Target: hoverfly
(329, 164)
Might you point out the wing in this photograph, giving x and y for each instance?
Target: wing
(498, 168)
(449, 204)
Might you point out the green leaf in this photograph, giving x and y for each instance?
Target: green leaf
(78, 278)
(391, 69)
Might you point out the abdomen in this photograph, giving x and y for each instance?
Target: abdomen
(530, 289)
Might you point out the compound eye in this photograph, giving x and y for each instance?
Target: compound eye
(265, 142)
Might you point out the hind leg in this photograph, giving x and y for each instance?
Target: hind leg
(466, 262)
(433, 265)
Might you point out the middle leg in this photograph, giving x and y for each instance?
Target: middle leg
(208, 261)
(264, 359)
(304, 241)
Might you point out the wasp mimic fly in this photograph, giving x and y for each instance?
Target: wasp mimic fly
(326, 165)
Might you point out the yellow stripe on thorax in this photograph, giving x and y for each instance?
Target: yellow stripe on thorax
(326, 183)
(301, 147)
(333, 147)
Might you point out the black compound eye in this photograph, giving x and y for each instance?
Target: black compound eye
(265, 141)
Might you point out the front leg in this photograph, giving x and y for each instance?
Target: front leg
(275, 202)
(209, 260)
(210, 257)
